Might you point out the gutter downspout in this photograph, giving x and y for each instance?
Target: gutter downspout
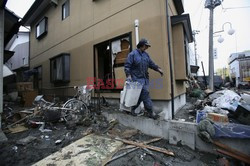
(170, 59)
(137, 31)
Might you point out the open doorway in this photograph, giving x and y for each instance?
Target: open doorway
(104, 61)
(110, 57)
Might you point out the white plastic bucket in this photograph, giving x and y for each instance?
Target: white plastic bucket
(132, 93)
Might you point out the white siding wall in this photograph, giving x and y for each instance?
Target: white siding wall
(20, 46)
(21, 38)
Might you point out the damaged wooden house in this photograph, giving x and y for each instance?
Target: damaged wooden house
(74, 41)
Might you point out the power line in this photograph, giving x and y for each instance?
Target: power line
(229, 8)
(197, 9)
(200, 18)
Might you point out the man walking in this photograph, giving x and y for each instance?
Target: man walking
(136, 69)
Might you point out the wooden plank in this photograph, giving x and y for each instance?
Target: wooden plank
(236, 156)
(134, 148)
(141, 145)
(223, 146)
(23, 119)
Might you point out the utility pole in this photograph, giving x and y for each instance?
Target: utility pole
(211, 4)
(1, 62)
(195, 46)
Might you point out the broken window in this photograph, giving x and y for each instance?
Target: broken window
(60, 68)
(41, 28)
(65, 10)
(110, 57)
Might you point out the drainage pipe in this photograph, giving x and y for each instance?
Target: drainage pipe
(170, 59)
(137, 31)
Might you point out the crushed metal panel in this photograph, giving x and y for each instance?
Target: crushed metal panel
(89, 150)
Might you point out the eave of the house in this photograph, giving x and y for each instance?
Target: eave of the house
(3, 3)
(35, 10)
(185, 20)
(11, 25)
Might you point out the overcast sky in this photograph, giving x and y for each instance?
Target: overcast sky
(19, 7)
(237, 12)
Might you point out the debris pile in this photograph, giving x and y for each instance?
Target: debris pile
(224, 114)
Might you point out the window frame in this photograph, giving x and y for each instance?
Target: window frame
(45, 28)
(65, 78)
(65, 5)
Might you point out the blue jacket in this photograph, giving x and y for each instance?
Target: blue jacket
(137, 65)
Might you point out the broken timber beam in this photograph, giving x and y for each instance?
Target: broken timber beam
(229, 149)
(131, 149)
(141, 145)
(26, 117)
(234, 155)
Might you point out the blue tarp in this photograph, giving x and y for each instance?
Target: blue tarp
(231, 130)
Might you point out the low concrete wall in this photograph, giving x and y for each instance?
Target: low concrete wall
(145, 125)
(162, 107)
(165, 107)
(175, 132)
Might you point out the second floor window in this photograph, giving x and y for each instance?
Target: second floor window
(65, 10)
(41, 28)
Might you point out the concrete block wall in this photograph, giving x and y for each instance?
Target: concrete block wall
(163, 108)
(169, 130)
(175, 131)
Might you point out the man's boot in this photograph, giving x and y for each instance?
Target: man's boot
(133, 112)
(152, 114)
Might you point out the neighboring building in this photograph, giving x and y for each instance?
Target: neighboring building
(19, 62)
(223, 72)
(9, 25)
(239, 64)
(72, 41)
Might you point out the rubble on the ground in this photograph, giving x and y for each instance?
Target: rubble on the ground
(48, 134)
(48, 128)
(224, 113)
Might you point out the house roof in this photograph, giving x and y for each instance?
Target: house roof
(37, 7)
(3, 3)
(7, 55)
(185, 20)
(11, 25)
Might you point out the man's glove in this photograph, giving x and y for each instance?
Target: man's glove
(160, 71)
(129, 78)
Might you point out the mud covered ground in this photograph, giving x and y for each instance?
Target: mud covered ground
(14, 153)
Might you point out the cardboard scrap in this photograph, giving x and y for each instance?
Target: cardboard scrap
(17, 129)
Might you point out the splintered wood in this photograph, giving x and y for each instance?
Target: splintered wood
(141, 145)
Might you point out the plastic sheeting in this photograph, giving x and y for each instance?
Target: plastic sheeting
(224, 98)
(208, 109)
